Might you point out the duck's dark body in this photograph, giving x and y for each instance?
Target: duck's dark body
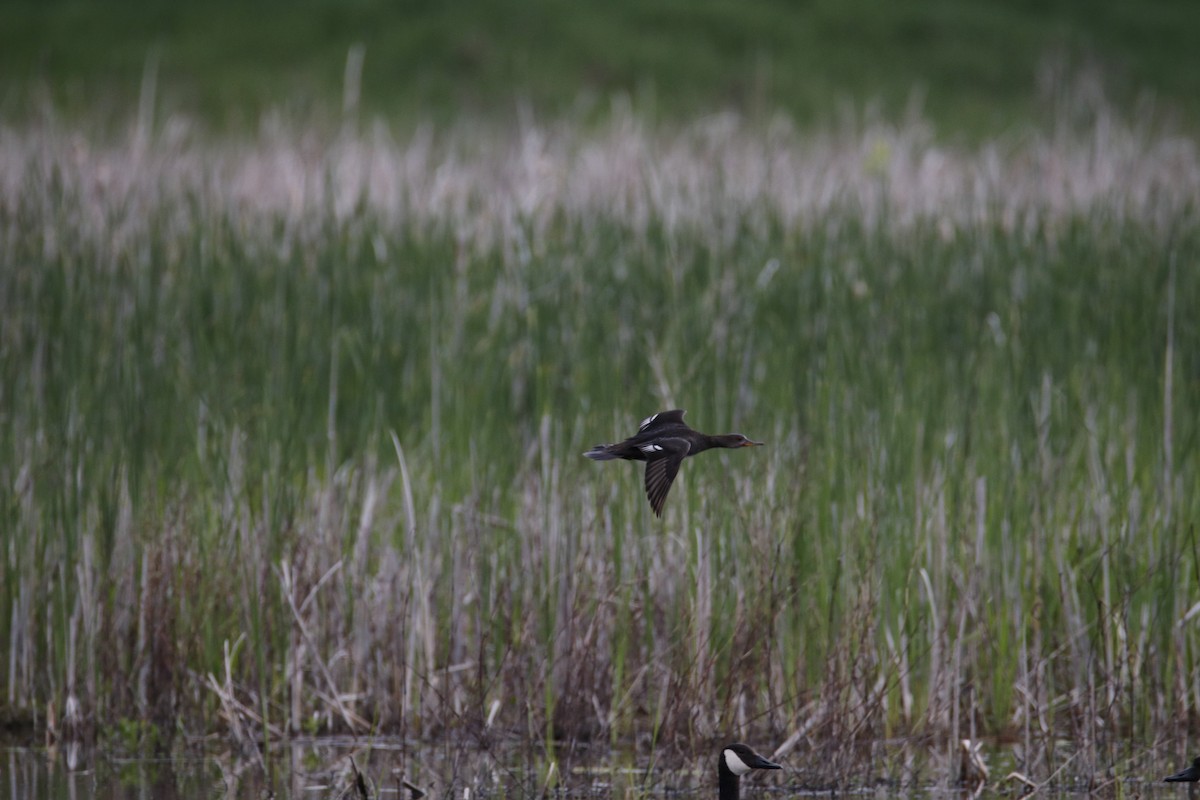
(663, 441)
(1189, 775)
(734, 762)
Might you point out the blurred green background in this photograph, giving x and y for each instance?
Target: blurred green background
(973, 67)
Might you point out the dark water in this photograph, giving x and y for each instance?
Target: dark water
(305, 769)
(331, 768)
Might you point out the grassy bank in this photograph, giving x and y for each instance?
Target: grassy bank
(291, 433)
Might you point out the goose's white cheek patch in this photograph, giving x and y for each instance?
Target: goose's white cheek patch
(735, 764)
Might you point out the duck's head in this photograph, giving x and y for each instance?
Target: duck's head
(735, 440)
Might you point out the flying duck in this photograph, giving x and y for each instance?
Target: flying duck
(663, 441)
(735, 761)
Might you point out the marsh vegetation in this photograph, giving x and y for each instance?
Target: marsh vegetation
(291, 428)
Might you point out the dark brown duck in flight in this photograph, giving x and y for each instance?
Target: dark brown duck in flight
(663, 441)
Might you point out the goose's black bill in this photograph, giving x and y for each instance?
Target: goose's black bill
(758, 762)
(1189, 775)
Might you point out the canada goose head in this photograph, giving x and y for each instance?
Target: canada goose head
(735, 761)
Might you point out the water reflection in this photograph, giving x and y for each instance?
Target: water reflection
(304, 769)
(74, 773)
(391, 768)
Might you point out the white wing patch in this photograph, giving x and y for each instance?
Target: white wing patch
(735, 764)
(651, 448)
(646, 422)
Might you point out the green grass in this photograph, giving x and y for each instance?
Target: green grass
(291, 433)
(977, 65)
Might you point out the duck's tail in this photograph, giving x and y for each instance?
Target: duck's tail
(600, 453)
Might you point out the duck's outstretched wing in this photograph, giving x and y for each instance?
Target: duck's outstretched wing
(662, 418)
(662, 465)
